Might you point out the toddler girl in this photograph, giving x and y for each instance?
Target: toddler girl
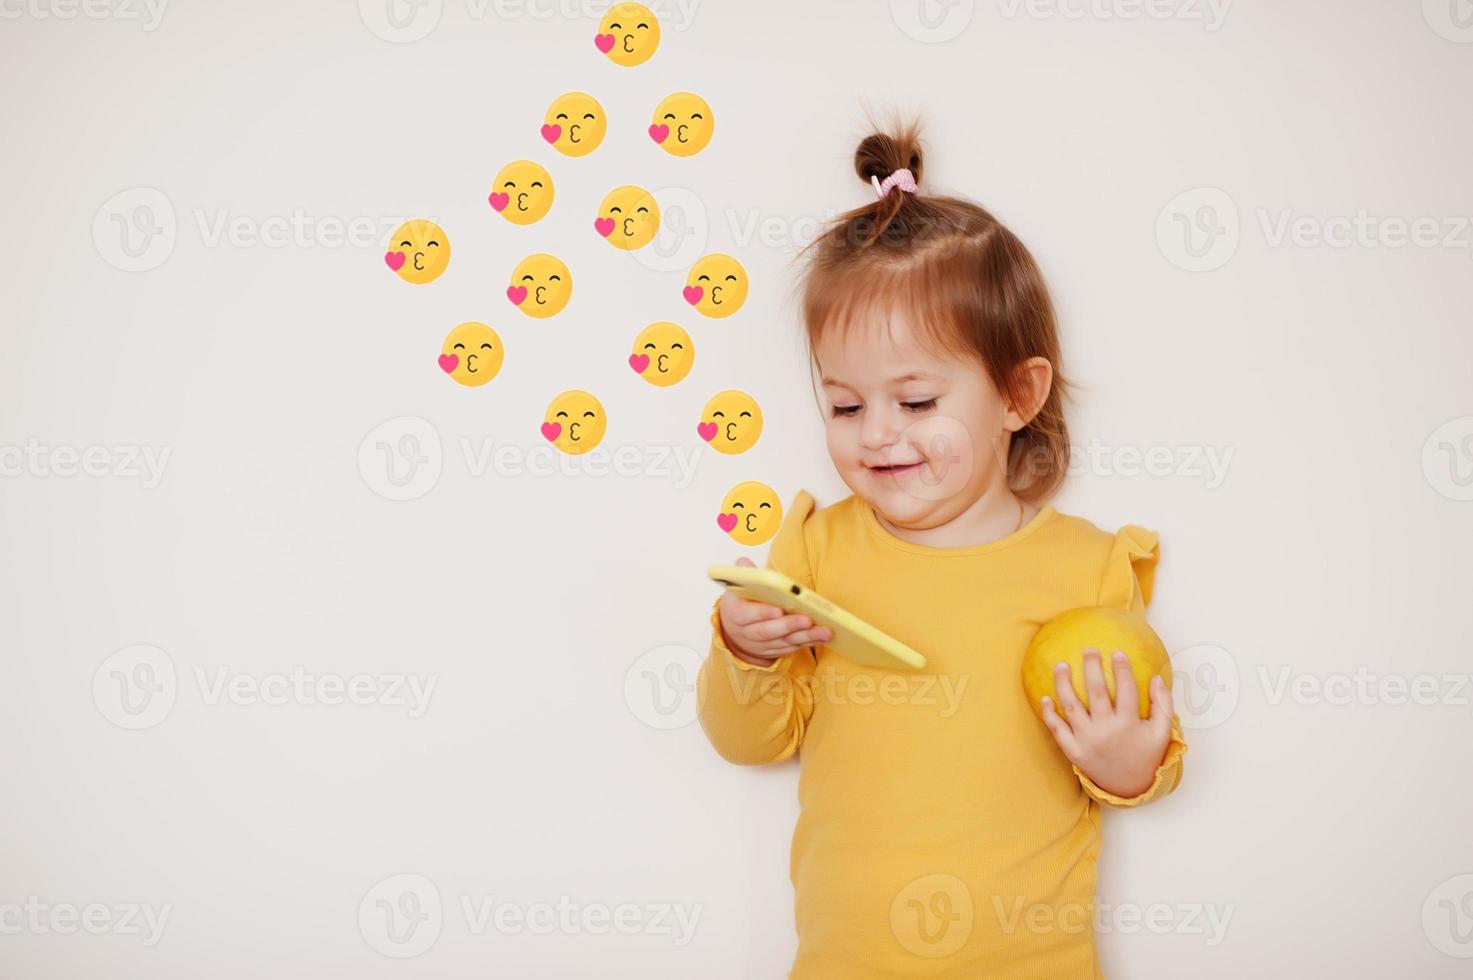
(943, 831)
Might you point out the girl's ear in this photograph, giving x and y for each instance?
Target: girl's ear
(1034, 379)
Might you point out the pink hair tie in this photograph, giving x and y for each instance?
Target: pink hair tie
(902, 179)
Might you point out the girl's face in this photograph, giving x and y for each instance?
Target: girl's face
(916, 434)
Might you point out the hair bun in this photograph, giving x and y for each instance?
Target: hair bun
(881, 154)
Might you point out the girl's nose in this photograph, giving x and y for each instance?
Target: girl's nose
(878, 429)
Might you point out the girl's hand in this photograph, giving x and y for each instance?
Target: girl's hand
(759, 633)
(1111, 743)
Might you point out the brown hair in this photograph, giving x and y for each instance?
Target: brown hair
(965, 281)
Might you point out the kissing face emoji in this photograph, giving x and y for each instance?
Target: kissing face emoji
(628, 34)
(522, 192)
(628, 217)
(575, 422)
(541, 286)
(663, 354)
(716, 285)
(574, 124)
(751, 513)
(682, 124)
(419, 251)
(472, 354)
(731, 422)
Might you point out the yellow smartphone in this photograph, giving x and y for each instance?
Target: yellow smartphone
(853, 639)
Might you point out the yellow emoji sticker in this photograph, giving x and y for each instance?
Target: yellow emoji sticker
(751, 513)
(731, 422)
(682, 124)
(418, 252)
(575, 422)
(663, 354)
(522, 192)
(541, 286)
(628, 217)
(472, 354)
(628, 34)
(575, 124)
(716, 285)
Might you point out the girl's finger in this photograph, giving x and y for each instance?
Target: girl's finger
(744, 612)
(1127, 698)
(1068, 700)
(1060, 730)
(804, 638)
(1161, 707)
(1094, 683)
(776, 629)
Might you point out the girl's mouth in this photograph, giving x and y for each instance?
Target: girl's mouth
(897, 469)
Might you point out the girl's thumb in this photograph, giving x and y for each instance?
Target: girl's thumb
(745, 561)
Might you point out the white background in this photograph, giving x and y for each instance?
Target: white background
(1337, 539)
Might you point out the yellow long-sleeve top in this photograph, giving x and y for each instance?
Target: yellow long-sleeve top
(942, 833)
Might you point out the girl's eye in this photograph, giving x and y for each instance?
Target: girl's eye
(924, 406)
(844, 411)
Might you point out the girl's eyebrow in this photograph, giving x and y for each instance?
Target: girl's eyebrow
(912, 376)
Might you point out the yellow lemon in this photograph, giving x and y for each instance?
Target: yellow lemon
(1064, 639)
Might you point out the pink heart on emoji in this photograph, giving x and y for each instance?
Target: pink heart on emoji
(693, 294)
(395, 260)
(659, 133)
(449, 362)
(516, 294)
(604, 226)
(500, 201)
(706, 430)
(726, 522)
(551, 430)
(639, 362)
(551, 132)
(604, 42)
